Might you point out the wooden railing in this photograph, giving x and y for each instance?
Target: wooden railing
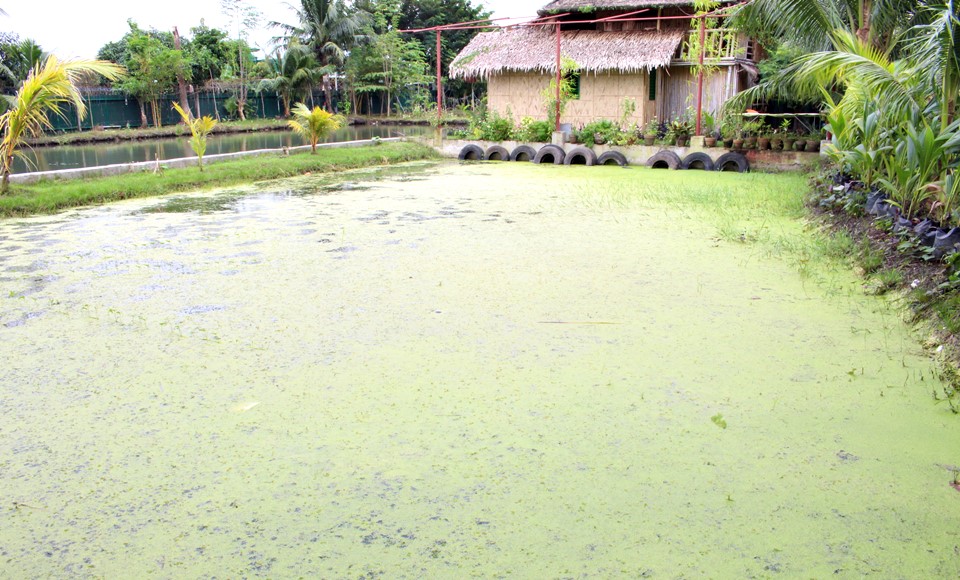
(718, 43)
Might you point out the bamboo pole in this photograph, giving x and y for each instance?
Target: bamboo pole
(703, 35)
(439, 86)
(557, 95)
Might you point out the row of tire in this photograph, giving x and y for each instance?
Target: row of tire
(553, 154)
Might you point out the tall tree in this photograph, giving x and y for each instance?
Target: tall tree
(330, 28)
(244, 18)
(294, 73)
(416, 14)
(153, 70)
(17, 60)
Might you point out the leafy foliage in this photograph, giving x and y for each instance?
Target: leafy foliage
(314, 124)
(199, 129)
(48, 87)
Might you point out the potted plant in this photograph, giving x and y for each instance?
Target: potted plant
(813, 142)
(709, 130)
(729, 129)
(750, 130)
(763, 136)
(788, 140)
(650, 131)
(680, 130)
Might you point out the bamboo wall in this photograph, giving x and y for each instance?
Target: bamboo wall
(601, 97)
(679, 90)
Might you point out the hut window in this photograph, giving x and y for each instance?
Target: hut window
(652, 89)
(573, 79)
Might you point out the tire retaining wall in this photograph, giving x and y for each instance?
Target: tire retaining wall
(639, 154)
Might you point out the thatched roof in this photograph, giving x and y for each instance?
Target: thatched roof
(596, 5)
(533, 49)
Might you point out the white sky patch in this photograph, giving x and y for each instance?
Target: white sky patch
(72, 29)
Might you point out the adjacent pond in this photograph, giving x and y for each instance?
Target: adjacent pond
(75, 156)
(462, 370)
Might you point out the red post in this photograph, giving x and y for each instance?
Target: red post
(439, 86)
(703, 36)
(556, 118)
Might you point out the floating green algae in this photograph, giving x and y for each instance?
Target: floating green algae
(499, 370)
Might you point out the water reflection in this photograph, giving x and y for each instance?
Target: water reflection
(70, 157)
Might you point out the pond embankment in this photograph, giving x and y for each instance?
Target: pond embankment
(45, 194)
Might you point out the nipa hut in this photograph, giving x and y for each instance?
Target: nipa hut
(627, 52)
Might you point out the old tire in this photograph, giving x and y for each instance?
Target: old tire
(496, 153)
(732, 162)
(550, 154)
(612, 158)
(580, 156)
(470, 153)
(697, 161)
(664, 160)
(523, 153)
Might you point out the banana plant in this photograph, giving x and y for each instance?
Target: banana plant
(199, 129)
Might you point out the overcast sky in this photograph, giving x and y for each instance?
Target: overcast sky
(70, 28)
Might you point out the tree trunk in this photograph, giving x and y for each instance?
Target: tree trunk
(5, 186)
(863, 29)
(181, 85)
(196, 100)
(389, 104)
(143, 114)
(327, 95)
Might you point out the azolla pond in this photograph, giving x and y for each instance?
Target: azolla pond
(479, 370)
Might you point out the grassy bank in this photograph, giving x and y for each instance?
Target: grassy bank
(51, 196)
(137, 133)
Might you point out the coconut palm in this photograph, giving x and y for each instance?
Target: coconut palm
(295, 72)
(314, 123)
(200, 127)
(934, 45)
(329, 28)
(811, 24)
(50, 86)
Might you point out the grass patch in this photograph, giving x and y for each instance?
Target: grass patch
(52, 196)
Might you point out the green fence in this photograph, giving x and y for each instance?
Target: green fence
(119, 110)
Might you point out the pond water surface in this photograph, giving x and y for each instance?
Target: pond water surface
(456, 370)
(95, 155)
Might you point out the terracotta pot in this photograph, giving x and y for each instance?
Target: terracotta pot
(776, 144)
(681, 141)
(750, 143)
(737, 143)
(788, 144)
(812, 146)
(763, 143)
(648, 140)
(710, 141)
(799, 145)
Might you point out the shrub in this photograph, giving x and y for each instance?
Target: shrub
(492, 127)
(599, 133)
(535, 131)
